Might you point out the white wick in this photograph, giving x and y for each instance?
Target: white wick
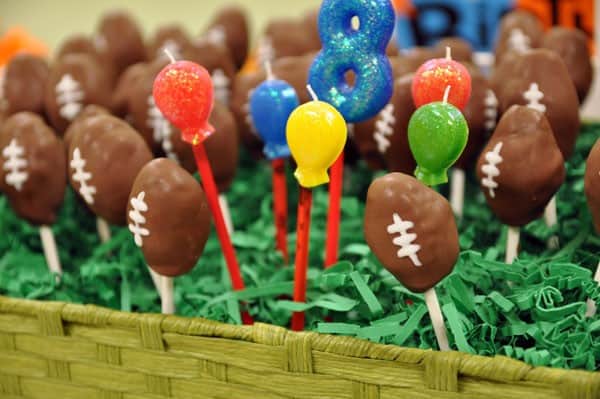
(269, 70)
(312, 93)
(448, 53)
(168, 53)
(446, 94)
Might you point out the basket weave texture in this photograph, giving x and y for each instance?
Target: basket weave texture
(58, 350)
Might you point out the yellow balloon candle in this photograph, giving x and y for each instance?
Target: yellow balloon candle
(316, 134)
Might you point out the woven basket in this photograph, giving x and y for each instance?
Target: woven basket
(58, 350)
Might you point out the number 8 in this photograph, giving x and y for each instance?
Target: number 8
(359, 50)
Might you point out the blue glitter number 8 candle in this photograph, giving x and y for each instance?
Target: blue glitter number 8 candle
(361, 51)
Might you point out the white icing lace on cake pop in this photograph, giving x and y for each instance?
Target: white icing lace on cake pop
(68, 97)
(490, 169)
(519, 41)
(491, 110)
(14, 164)
(405, 240)
(384, 128)
(139, 205)
(533, 96)
(221, 86)
(82, 177)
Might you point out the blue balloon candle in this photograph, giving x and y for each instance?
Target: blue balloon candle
(271, 104)
(361, 51)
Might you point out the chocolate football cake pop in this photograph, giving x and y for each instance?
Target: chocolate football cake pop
(33, 173)
(519, 32)
(571, 46)
(411, 230)
(592, 183)
(121, 38)
(169, 217)
(383, 140)
(75, 81)
(218, 62)
(552, 92)
(170, 37)
(521, 167)
(24, 84)
(481, 113)
(105, 156)
(222, 147)
(230, 28)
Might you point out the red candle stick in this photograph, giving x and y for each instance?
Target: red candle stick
(302, 246)
(183, 92)
(310, 123)
(280, 206)
(333, 213)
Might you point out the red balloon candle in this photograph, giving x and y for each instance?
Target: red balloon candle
(183, 91)
(432, 78)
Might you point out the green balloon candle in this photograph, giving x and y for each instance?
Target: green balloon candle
(437, 135)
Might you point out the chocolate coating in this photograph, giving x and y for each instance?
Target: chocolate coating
(571, 46)
(530, 171)
(461, 49)
(519, 31)
(177, 218)
(242, 89)
(113, 154)
(121, 94)
(514, 79)
(80, 77)
(311, 25)
(121, 38)
(481, 113)
(24, 82)
(75, 126)
(140, 107)
(383, 140)
(222, 147)
(285, 37)
(294, 70)
(399, 196)
(230, 28)
(37, 195)
(172, 37)
(81, 44)
(592, 183)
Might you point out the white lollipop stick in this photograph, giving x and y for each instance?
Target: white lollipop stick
(167, 299)
(512, 244)
(103, 229)
(224, 205)
(591, 305)
(435, 313)
(50, 251)
(105, 236)
(457, 191)
(551, 220)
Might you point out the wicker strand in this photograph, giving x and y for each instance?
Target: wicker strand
(68, 350)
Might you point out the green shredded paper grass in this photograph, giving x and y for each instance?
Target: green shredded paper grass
(533, 310)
